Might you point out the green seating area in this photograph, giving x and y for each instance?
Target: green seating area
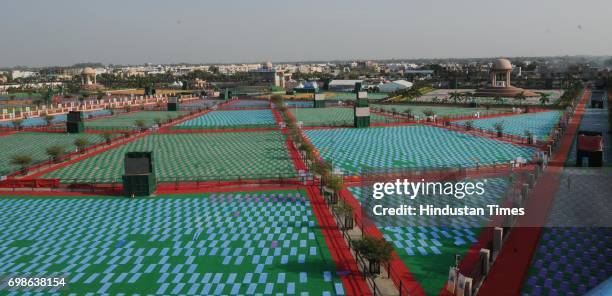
(441, 111)
(244, 243)
(350, 96)
(126, 120)
(414, 146)
(34, 145)
(541, 124)
(426, 244)
(230, 118)
(331, 116)
(209, 156)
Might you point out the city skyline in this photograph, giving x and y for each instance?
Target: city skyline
(37, 33)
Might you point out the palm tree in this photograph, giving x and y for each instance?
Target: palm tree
(520, 97)
(81, 143)
(544, 98)
(455, 96)
(82, 98)
(56, 152)
(21, 160)
(408, 113)
(429, 114)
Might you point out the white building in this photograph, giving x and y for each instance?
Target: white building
(343, 85)
(396, 85)
(16, 74)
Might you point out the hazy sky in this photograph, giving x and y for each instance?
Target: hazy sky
(64, 32)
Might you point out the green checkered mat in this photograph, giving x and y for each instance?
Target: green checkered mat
(127, 120)
(439, 110)
(34, 145)
(412, 146)
(331, 116)
(541, 124)
(231, 118)
(350, 96)
(425, 244)
(200, 156)
(206, 244)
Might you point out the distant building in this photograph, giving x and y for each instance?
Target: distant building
(16, 74)
(500, 82)
(268, 74)
(343, 85)
(308, 86)
(393, 86)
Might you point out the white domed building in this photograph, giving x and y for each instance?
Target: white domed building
(501, 86)
(88, 76)
(88, 79)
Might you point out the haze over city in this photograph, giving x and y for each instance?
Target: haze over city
(42, 33)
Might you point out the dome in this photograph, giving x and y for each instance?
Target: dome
(502, 64)
(89, 71)
(268, 65)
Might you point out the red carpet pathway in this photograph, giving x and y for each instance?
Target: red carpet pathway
(508, 273)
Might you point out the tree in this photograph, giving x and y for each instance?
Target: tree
(99, 97)
(107, 136)
(345, 210)
(56, 152)
(23, 161)
(82, 99)
(520, 97)
(469, 125)
(81, 143)
(544, 98)
(529, 136)
(375, 250)
(455, 96)
(499, 127)
(408, 113)
(140, 124)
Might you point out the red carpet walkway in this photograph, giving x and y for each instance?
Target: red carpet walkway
(508, 273)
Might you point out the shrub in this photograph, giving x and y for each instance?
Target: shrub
(21, 160)
(375, 250)
(107, 136)
(56, 152)
(140, 124)
(499, 127)
(469, 125)
(81, 143)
